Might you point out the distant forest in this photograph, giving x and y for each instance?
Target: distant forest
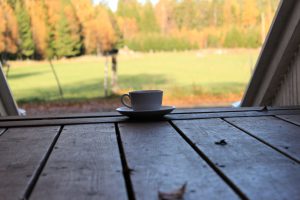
(46, 29)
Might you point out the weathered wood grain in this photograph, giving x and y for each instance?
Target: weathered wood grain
(291, 118)
(215, 109)
(298, 77)
(278, 133)
(161, 160)
(230, 114)
(21, 150)
(283, 107)
(174, 116)
(287, 93)
(61, 116)
(54, 122)
(258, 170)
(116, 114)
(85, 164)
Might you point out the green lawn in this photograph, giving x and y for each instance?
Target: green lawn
(178, 73)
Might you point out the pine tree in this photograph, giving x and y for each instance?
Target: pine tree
(130, 9)
(148, 22)
(75, 27)
(64, 46)
(186, 14)
(26, 44)
(164, 11)
(117, 30)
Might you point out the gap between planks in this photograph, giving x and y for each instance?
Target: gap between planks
(40, 167)
(286, 120)
(261, 140)
(210, 163)
(126, 169)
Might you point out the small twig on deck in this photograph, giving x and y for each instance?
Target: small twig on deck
(177, 194)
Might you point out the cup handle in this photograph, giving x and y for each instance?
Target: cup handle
(123, 102)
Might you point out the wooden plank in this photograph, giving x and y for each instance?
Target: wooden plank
(85, 164)
(283, 107)
(160, 160)
(289, 83)
(116, 114)
(73, 121)
(230, 114)
(215, 109)
(61, 116)
(21, 150)
(294, 75)
(213, 115)
(258, 170)
(298, 77)
(290, 76)
(295, 119)
(54, 122)
(283, 93)
(278, 133)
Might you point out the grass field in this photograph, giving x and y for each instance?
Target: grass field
(209, 74)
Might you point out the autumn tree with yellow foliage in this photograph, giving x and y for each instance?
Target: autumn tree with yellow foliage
(42, 29)
(9, 34)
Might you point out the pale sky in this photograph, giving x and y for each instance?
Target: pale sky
(113, 3)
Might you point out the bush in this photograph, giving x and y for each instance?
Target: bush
(234, 38)
(248, 38)
(252, 39)
(213, 41)
(158, 42)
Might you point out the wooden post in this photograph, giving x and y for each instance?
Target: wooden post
(106, 76)
(114, 76)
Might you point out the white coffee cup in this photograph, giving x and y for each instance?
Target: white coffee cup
(143, 100)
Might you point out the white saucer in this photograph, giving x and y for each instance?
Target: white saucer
(146, 113)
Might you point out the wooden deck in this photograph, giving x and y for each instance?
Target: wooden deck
(221, 153)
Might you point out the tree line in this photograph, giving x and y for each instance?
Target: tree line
(46, 29)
